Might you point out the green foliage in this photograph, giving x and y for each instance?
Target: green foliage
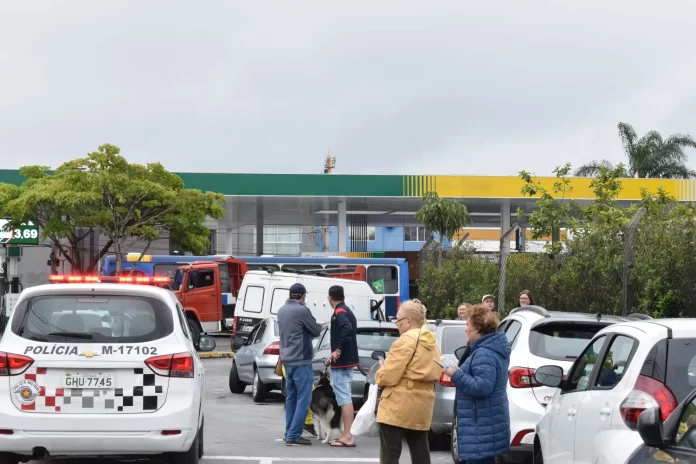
(124, 201)
(442, 215)
(553, 211)
(461, 277)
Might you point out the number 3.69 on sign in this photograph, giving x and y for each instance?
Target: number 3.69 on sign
(25, 233)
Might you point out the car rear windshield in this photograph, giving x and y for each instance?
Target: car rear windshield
(376, 339)
(560, 340)
(681, 366)
(92, 318)
(453, 338)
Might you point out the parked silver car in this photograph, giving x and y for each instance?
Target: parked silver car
(254, 363)
(371, 336)
(450, 336)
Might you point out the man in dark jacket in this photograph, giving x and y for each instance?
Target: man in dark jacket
(297, 327)
(344, 357)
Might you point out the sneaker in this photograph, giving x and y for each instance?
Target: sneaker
(309, 430)
(299, 441)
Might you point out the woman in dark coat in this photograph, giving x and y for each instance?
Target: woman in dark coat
(483, 414)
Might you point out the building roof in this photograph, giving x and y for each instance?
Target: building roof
(341, 185)
(386, 200)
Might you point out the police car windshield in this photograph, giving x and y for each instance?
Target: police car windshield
(92, 318)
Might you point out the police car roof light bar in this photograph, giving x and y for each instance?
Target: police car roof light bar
(75, 279)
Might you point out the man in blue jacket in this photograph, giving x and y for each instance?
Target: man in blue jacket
(297, 327)
(344, 357)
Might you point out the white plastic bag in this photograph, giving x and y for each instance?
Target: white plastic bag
(365, 423)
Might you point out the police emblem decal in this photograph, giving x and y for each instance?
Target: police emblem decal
(27, 391)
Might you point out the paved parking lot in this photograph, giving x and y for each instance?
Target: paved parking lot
(238, 431)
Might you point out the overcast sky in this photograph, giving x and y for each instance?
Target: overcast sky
(389, 87)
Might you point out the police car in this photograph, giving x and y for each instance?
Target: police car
(100, 367)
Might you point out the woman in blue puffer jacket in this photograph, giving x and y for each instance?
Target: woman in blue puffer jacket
(483, 414)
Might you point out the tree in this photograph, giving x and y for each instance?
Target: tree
(651, 156)
(553, 212)
(442, 215)
(140, 202)
(57, 206)
(125, 202)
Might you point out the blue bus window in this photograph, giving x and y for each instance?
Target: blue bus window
(383, 279)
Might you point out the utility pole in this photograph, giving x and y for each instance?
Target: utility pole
(329, 165)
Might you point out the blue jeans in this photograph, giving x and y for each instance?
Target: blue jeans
(298, 395)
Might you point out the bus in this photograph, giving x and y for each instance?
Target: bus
(386, 276)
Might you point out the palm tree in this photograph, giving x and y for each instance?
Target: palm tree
(649, 157)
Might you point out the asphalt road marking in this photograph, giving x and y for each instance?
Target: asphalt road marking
(271, 460)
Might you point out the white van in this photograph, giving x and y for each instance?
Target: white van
(262, 294)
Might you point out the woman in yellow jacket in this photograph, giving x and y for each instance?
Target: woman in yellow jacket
(408, 377)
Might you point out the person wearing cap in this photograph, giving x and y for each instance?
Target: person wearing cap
(489, 302)
(297, 327)
(344, 358)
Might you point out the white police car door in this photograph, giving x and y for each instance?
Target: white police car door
(93, 351)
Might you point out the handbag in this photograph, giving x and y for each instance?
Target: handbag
(380, 389)
(279, 368)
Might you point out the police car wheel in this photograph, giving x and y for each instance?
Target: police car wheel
(195, 331)
(189, 457)
(7, 458)
(236, 385)
(201, 440)
(258, 389)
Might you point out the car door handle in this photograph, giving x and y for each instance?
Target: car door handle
(572, 412)
(605, 411)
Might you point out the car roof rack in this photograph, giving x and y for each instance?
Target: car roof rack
(533, 308)
(640, 317)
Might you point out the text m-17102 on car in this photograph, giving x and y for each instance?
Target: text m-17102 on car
(101, 370)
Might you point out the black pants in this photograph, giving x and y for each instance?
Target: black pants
(390, 441)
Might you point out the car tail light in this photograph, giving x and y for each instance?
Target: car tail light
(172, 365)
(523, 437)
(273, 348)
(646, 393)
(522, 377)
(14, 364)
(446, 381)
(234, 325)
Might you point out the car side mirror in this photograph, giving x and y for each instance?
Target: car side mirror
(459, 352)
(376, 355)
(206, 343)
(650, 428)
(549, 376)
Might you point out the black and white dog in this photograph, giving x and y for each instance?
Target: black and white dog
(326, 414)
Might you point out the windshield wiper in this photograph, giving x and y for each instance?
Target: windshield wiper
(570, 356)
(86, 336)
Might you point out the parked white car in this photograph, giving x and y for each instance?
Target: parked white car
(625, 369)
(539, 337)
(100, 370)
